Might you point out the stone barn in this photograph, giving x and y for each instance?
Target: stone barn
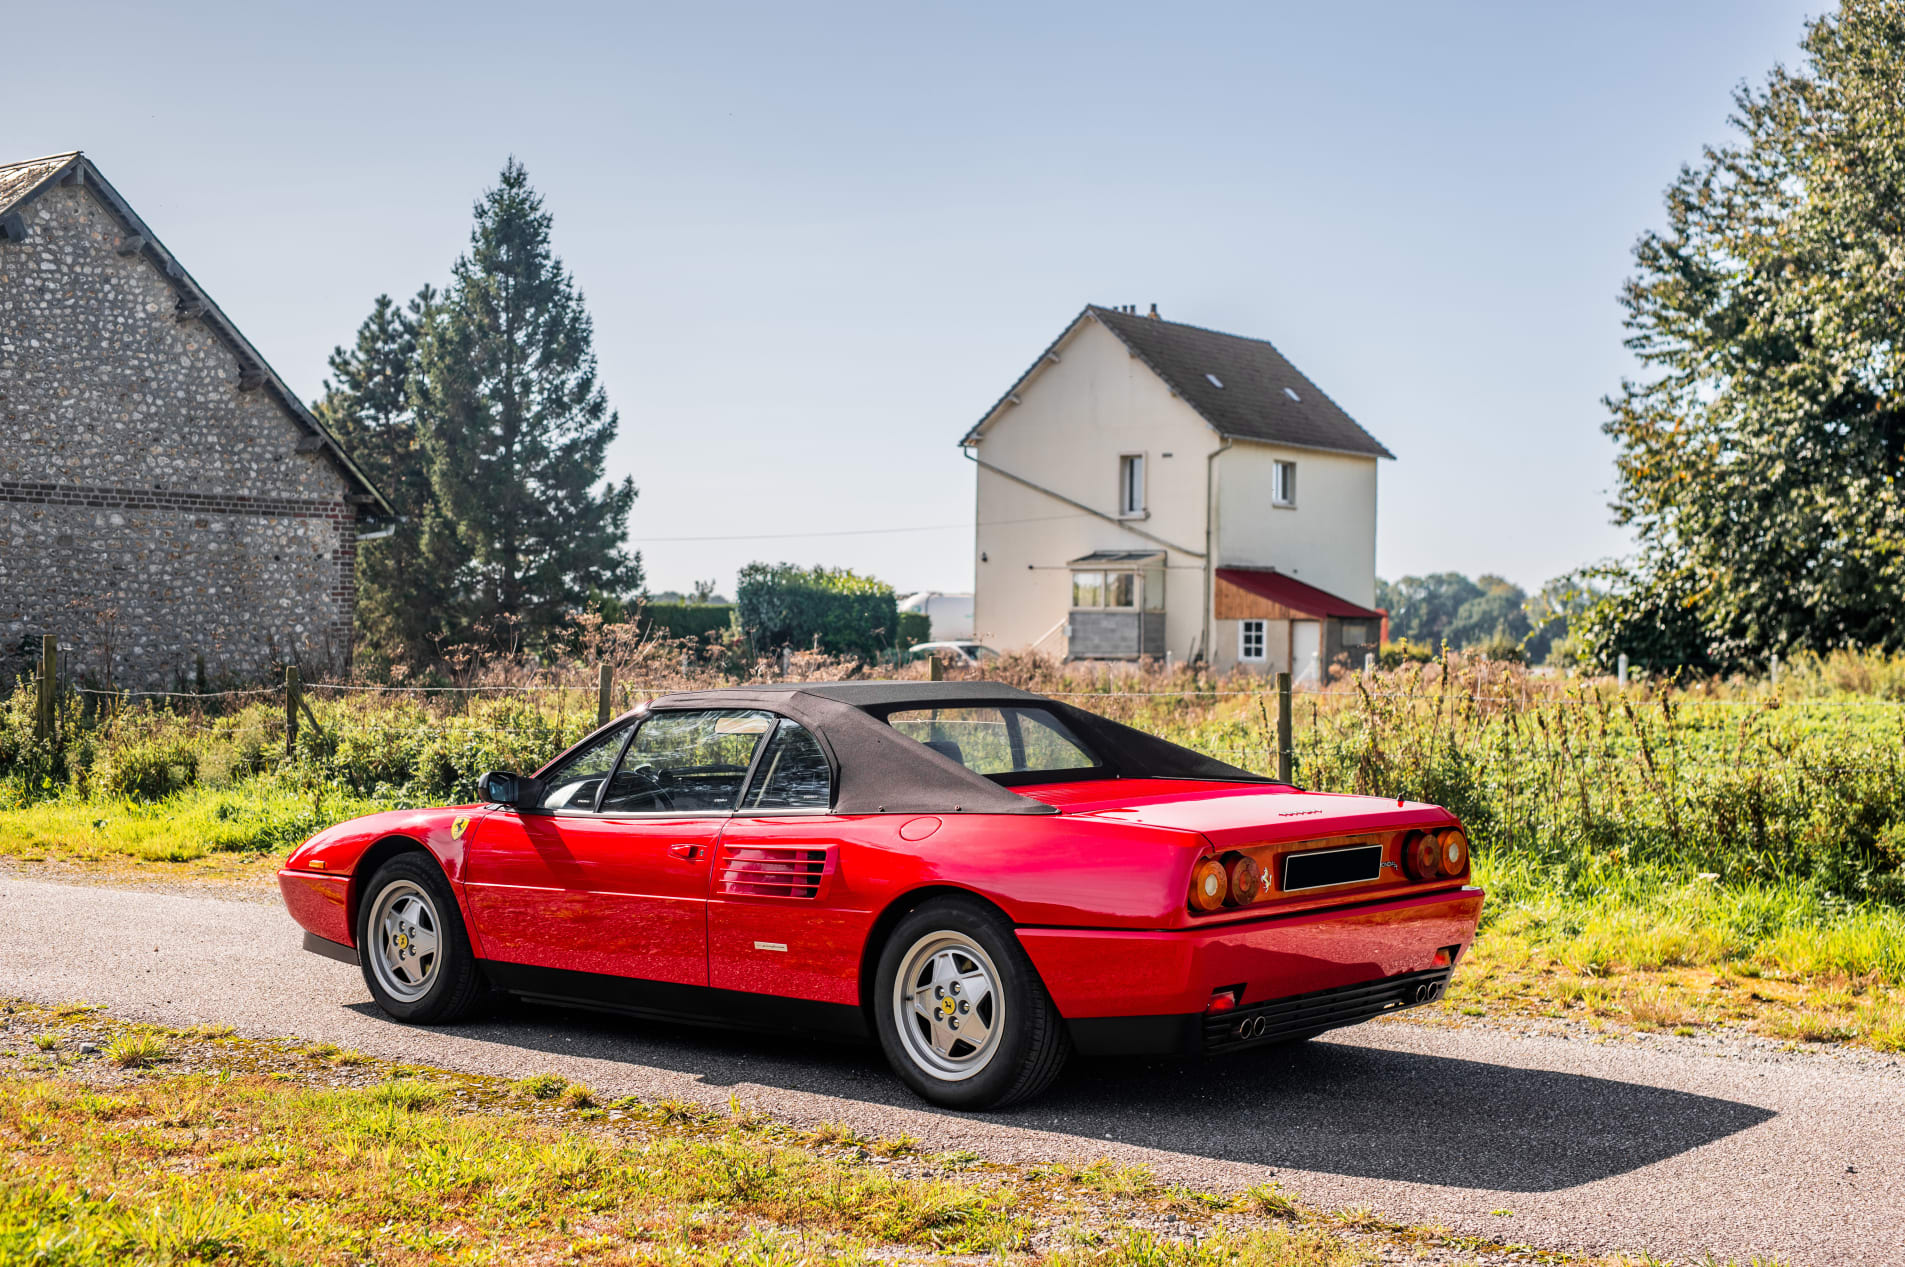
(163, 495)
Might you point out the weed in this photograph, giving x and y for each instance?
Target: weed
(135, 1049)
(1268, 1198)
(542, 1086)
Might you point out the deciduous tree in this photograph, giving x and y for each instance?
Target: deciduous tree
(1762, 451)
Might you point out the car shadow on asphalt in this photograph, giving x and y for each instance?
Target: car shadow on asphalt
(1327, 1106)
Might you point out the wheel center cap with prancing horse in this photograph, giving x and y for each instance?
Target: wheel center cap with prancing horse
(947, 1007)
(403, 941)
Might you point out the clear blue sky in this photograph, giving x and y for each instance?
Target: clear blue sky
(819, 240)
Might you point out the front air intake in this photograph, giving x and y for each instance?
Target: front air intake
(774, 871)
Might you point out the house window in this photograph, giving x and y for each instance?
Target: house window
(1107, 590)
(1250, 640)
(1131, 484)
(1355, 635)
(1088, 589)
(1283, 484)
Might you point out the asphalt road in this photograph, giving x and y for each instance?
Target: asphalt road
(1675, 1147)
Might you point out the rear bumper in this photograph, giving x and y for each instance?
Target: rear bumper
(1145, 992)
(1257, 1025)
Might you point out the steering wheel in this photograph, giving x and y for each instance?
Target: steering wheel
(653, 778)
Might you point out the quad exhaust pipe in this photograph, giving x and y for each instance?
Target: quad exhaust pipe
(1256, 1026)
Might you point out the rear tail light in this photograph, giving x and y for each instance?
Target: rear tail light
(1210, 885)
(1453, 854)
(1421, 855)
(1245, 875)
(1433, 855)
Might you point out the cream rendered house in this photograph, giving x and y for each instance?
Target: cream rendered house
(1150, 488)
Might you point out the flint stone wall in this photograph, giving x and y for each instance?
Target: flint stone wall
(151, 511)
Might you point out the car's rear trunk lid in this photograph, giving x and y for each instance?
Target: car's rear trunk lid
(1231, 815)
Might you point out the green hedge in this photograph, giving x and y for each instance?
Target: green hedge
(784, 605)
(687, 620)
(915, 627)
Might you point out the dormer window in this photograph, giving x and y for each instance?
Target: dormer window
(1131, 484)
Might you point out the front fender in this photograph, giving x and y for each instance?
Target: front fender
(322, 879)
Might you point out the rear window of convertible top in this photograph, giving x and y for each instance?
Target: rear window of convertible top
(1002, 743)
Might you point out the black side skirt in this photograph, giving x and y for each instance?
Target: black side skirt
(666, 1000)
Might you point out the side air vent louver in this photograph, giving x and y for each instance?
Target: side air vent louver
(774, 871)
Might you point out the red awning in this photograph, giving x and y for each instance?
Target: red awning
(1294, 594)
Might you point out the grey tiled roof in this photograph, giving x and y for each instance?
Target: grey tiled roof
(1262, 396)
(1244, 388)
(17, 180)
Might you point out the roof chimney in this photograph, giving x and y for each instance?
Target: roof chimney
(1154, 312)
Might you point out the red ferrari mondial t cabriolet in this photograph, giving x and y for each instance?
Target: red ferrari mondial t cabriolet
(985, 879)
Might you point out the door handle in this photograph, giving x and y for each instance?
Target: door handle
(686, 852)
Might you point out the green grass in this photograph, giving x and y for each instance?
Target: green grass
(270, 1161)
(263, 815)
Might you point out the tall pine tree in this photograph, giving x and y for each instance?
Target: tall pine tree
(517, 427)
(405, 581)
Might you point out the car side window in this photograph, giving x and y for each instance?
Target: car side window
(793, 773)
(573, 785)
(686, 762)
(996, 741)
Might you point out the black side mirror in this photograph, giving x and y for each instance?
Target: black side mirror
(503, 788)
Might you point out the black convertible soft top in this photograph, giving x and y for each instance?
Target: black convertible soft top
(882, 771)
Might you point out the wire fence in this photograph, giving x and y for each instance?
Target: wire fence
(1428, 695)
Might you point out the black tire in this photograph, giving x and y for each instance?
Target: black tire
(1033, 1042)
(446, 985)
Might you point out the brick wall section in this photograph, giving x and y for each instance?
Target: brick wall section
(150, 510)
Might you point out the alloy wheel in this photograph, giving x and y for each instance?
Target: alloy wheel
(948, 1006)
(405, 936)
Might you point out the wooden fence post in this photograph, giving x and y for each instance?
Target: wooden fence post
(47, 699)
(1286, 748)
(604, 695)
(935, 668)
(293, 697)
